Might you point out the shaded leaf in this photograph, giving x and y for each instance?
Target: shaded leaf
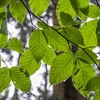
(37, 45)
(18, 10)
(73, 34)
(93, 84)
(4, 3)
(39, 6)
(56, 41)
(28, 62)
(20, 80)
(88, 31)
(3, 28)
(66, 19)
(98, 31)
(15, 44)
(49, 56)
(4, 78)
(61, 68)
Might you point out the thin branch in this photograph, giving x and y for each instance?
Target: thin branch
(60, 33)
(4, 61)
(97, 3)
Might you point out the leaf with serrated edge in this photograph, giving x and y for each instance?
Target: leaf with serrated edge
(37, 45)
(39, 6)
(56, 41)
(88, 31)
(61, 68)
(49, 56)
(18, 10)
(28, 62)
(65, 6)
(15, 44)
(20, 80)
(84, 73)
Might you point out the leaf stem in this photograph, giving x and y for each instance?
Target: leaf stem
(60, 33)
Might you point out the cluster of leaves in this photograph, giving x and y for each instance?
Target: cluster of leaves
(46, 42)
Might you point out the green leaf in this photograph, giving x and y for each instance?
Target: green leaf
(61, 68)
(39, 6)
(87, 56)
(4, 3)
(37, 45)
(73, 34)
(97, 96)
(77, 4)
(93, 84)
(3, 28)
(88, 31)
(2, 13)
(65, 6)
(80, 4)
(82, 74)
(56, 41)
(49, 56)
(3, 40)
(98, 31)
(18, 10)
(15, 44)
(94, 11)
(20, 80)
(4, 78)
(28, 62)
(66, 19)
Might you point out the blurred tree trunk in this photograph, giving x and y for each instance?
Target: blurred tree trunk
(65, 90)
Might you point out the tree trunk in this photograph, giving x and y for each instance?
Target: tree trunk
(65, 90)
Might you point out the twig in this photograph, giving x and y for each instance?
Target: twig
(97, 3)
(4, 61)
(60, 33)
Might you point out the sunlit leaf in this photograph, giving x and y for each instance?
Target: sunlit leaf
(4, 78)
(88, 31)
(84, 72)
(15, 44)
(56, 41)
(28, 63)
(39, 6)
(3, 40)
(93, 84)
(65, 6)
(61, 68)
(18, 10)
(20, 80)
(49, 56)
(94, 11)
(37, 45)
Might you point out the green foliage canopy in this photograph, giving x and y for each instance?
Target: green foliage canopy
(54, 45)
